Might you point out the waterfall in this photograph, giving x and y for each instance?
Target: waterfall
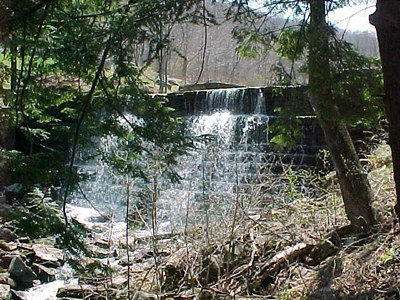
(224, 169)
(233, 165)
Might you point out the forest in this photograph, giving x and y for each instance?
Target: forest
(169, 149)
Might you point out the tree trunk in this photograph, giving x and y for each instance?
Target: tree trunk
(386, 20)
(7, 130)
(6, 142)
(356, 191)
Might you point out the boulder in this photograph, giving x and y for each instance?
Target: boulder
(21, 273)
(5, 209)
(47, 255)
(4, 292)
(6, 259)
(19, 295)
(9, 247)
(7, 235)
(79, 291)
(119, 281)
(5, 279)
(24, 240)
(44, 273)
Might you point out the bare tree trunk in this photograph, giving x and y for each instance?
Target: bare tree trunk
(356, 191)
(7, 134)
(386, 20)
(185, 53)
(6, 141)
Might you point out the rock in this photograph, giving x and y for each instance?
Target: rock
(103, 243)
(5, 279)
(5, 209)
(19, 295)
(100, 219)
(24, 240)
(7, 235)
(5, 261)
(20, 272)
(47, 255)
(119, 281)
(79, 291)
(9, 247)
(36, 282)
(144, 296)
(207, 86)
(4, 292)
(44, 274)
(323, 293)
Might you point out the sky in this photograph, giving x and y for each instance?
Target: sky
(355, 18)
(352, 18)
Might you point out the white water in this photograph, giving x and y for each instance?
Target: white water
(213, 176)
(48, 291)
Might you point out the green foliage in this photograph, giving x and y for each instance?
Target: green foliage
(389, 256)
(73, 79)
(40, 216)
(291, 43)
(303, 183)
(252, 43)
(357, 85)
(285, 130)
(353, 80)
(46, 168)
(72, 74)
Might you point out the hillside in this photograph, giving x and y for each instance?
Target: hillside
(221, 61)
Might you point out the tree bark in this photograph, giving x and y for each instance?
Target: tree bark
(356, 191)
(6, 142)
(386, 20)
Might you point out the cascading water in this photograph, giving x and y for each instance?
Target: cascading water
(231, 166)
(220, 171)
(224, 169)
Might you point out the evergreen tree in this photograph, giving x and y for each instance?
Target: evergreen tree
(356, 191)
(69, 72)
(339, 87)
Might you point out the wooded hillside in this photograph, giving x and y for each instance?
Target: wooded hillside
(222, 59)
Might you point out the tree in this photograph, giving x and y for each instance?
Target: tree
(356, 191)
(336, 90)
(71, 75)
(386, 19)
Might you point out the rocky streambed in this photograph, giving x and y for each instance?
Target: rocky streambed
(25, 264)
(35, 269)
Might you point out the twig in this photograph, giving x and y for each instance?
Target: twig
(127, 239)
(81, 118)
